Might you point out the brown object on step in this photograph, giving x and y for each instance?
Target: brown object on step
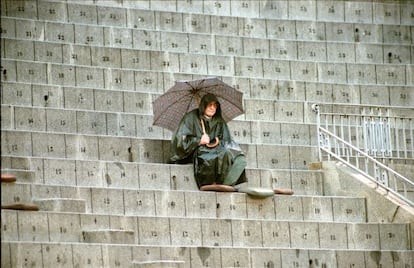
(8, 178)
(283, 191)
(21, 206)
(315, 166)
(218, 188)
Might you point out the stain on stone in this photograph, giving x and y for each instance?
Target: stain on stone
(108, 179)
(118, 164)
(395, 256)
(203, 253)
(375, 256)
(174, 182)
(130, 155)
(182, 251)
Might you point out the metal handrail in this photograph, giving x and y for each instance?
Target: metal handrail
(350, 155)
(373, 129)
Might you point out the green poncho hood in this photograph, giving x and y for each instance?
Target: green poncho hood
(208, 98)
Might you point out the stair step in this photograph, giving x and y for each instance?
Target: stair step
(192, 204)
(61, 204)
(154, 176)
(68, 227)
(109, 236)
(55, 254)
(159, 264)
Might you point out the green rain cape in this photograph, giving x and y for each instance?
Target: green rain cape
(211, 165)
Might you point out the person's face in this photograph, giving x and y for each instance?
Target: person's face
(211, 109)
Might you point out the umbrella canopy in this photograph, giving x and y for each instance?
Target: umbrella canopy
(185, 96)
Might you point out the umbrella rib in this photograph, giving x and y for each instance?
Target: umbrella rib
(188, 83)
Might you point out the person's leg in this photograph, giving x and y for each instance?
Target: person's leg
(232, 178)
(218, 188)
(236, 170)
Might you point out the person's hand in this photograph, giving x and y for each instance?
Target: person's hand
(205, 139)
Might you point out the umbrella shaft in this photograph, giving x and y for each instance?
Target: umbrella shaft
(202, 126)
(204, 132)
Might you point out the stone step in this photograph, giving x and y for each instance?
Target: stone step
(178, 231)
(157, 176)
(294, 50)
(16, 193)
(123, 124)
(108, 236)
(61, 204)
(136, 150)
(284, 92)
(17, 163)
(209, 19)
(159, 264)
(188, 203)
(46, 254)
(264, 69)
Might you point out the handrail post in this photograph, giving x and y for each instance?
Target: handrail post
(315, 108)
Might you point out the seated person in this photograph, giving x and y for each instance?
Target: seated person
(204, 139)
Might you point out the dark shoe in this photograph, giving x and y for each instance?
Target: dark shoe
(283, 191)
(218, 188)
(8, 178)
(20, 206)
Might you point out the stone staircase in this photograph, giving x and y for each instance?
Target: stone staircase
(78, 81)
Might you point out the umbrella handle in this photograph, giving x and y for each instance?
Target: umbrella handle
(212, 145)
(209, 145)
